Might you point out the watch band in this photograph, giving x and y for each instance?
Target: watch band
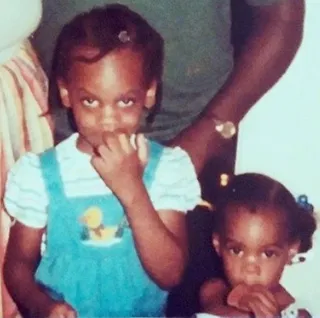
(227, 129)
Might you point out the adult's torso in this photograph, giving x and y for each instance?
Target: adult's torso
(197, 48)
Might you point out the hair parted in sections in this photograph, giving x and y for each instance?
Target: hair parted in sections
(104, 30)
(253, 191)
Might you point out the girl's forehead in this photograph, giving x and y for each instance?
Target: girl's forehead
(265, 211)
(263, 226)
(124, 66)
(84, 51)
(93, 57)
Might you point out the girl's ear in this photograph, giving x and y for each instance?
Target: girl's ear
(293, 251)
(151, 95)
(64, 93)
(216, 243)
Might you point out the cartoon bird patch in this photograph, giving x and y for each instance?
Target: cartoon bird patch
(95, 232)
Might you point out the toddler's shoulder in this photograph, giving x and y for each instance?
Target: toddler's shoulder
(175, 185)
(25, 198)
(26, 165)
(175, 165)
(173, 158)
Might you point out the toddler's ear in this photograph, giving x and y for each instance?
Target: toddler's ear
(151, 95)
(293, 251)
(64, 93)
(216, 243)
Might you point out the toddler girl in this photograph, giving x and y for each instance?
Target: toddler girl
(111, 202)
(259, 229)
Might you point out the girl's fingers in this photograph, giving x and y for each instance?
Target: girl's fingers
(262, 307)
(266, 297)
(257, 310)
(236, 294)
(125, 143)
(98, 163)
(115, 143)
(142, 149)
(102, 151)
(111, 140)
(118, 142)
(133, 141)
(269, 306)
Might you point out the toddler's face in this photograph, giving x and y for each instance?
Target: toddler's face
(107, 96)
(254, 247)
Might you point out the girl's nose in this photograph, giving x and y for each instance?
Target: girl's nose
(108, 111)
(109, 118)
(251, 265)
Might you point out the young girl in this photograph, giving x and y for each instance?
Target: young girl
(259, 229)
(112, 207)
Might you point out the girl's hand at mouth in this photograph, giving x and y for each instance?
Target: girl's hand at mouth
(120, 161)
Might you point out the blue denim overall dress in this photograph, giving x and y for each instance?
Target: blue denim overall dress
(90, 259)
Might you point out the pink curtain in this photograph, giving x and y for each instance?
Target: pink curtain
(24, 126)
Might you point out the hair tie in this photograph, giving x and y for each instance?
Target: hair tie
(304, 204)
(124, 36)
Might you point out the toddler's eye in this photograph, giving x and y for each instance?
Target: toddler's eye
(90, 103)
(269, 254)
(126, 103)
(236, 251)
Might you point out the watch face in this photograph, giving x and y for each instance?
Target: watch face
(226, 129)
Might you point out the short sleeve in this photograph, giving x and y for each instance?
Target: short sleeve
(25, 197)
(175, 186)
(262, 2)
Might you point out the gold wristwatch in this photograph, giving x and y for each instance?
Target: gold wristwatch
(227, 129)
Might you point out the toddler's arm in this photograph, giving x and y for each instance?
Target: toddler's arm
(159, 230)
(160, 238)
(21, 261)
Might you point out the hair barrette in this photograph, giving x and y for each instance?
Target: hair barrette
(304, 203)
(124, 36)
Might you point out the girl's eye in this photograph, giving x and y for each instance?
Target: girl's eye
(269, 254)
(126, 103)
(90, 103)
(236, 251)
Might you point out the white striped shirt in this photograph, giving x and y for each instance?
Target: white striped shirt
(175, 186)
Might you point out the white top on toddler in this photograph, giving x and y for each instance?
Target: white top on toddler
(291, 312)
(175, 185)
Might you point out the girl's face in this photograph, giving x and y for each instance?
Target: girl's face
(254, 247)
(106, 96)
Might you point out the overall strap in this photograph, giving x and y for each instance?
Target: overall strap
(155, 152)
(51, 174)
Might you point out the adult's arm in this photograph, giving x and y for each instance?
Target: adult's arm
(268, 51)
